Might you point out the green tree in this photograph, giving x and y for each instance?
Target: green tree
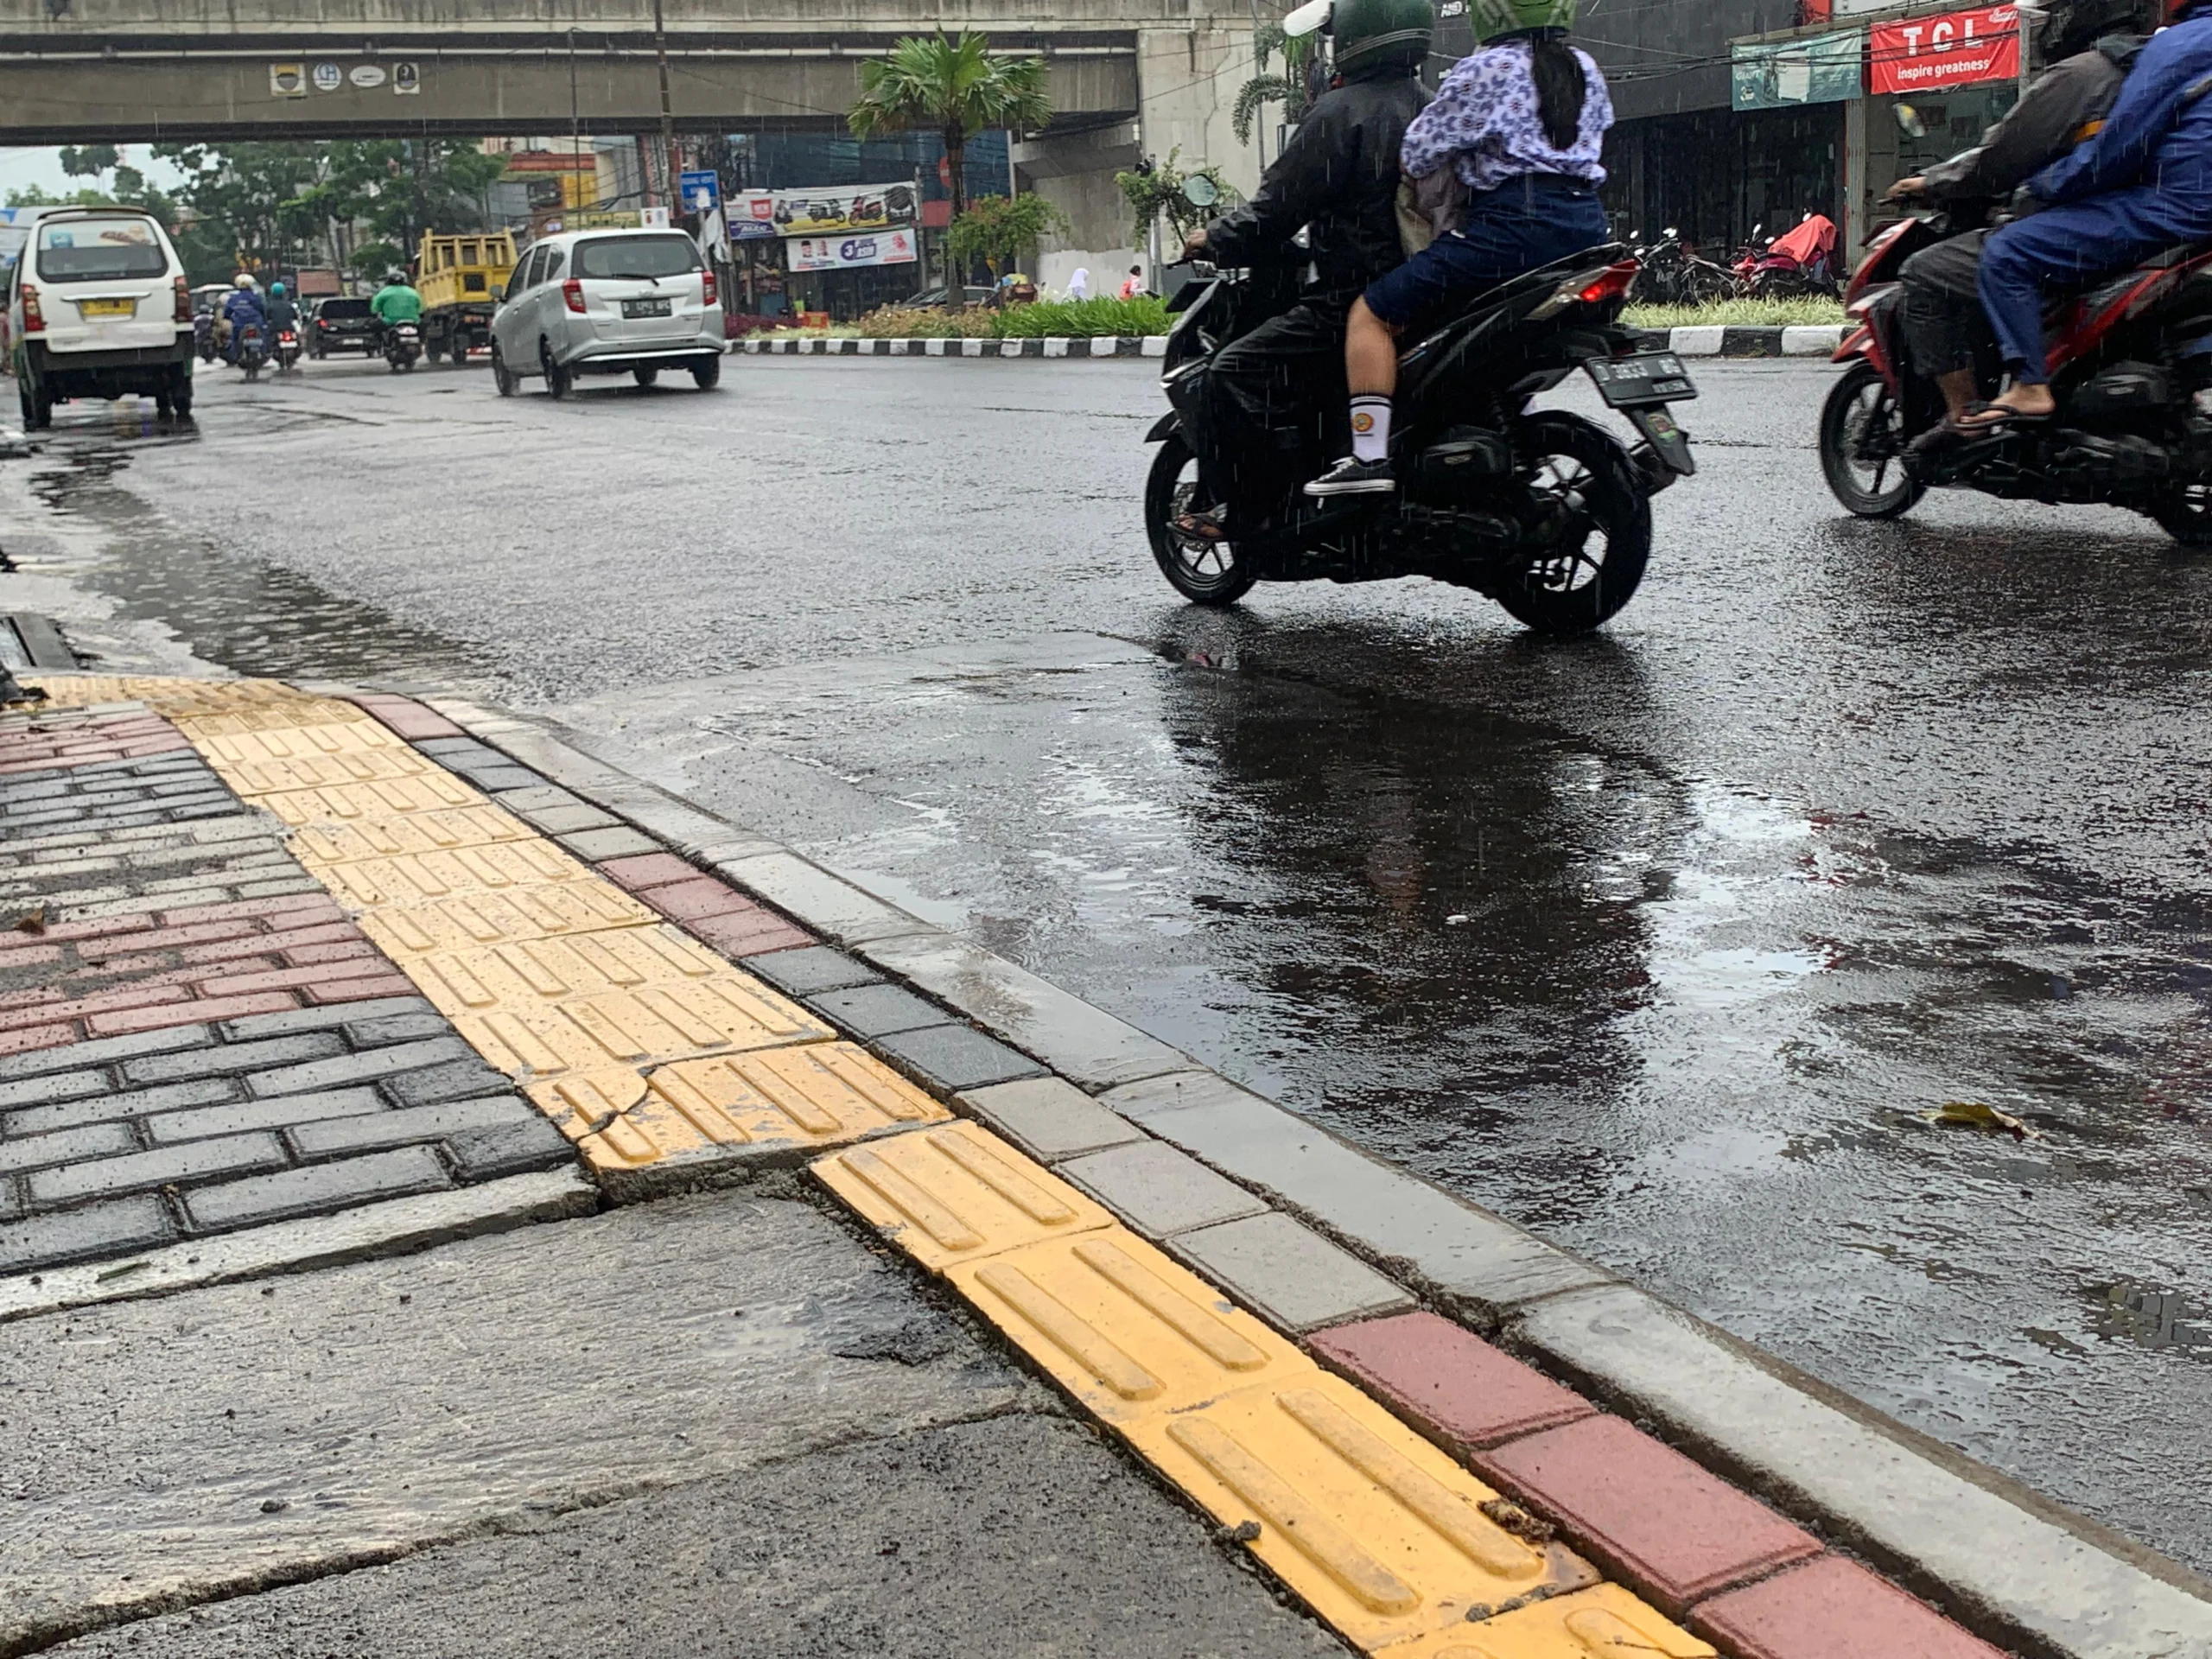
(89, 161)
(1292, 88)
(954, 87)
(1157, 188)
(999, 231)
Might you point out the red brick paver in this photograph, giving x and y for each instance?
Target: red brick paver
(409, 718)
(751, 932)
(70, 739)
(711, 911)
(1447, 1382)
(1832, 1609)
(644, 871)
(1674, 1532)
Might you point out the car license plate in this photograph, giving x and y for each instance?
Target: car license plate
(645, 307)
(1638, 382)
(107, 308)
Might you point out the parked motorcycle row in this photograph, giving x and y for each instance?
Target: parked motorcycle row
(1800, 266)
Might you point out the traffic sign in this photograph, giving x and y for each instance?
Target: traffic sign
(702, 191)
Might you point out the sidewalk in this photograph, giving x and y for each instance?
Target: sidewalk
(422, 1145)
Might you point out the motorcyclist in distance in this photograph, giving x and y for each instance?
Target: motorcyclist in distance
(283, 313)
(2091, 46)
(396, 302)
(1337, 178)
(241, 306)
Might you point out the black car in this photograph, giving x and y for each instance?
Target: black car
(342, 326)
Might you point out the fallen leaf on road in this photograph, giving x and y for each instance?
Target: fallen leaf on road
(1976, 1114)
(33, 922)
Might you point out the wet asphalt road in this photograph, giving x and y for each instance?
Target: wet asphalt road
(1663, 943)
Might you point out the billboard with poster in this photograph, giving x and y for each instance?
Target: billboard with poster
(1781, 75)
(851, 252)
(833, 210)
(1960, 49)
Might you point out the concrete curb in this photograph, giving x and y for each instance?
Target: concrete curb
(1998, 1558)
(1103, 346)
(1714, 341)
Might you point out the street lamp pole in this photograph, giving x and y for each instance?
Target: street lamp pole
(667, 115)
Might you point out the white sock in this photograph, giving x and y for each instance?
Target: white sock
(1371, 429)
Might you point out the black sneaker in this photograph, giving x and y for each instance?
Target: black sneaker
(1353, 477)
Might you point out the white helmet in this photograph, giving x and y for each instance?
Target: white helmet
(244, 279)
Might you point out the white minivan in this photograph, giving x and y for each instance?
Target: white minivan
(618, 301)
(98, 307)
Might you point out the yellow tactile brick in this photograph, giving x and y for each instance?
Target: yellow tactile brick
(179, 698)
(1604, 1621)
(956, 1194)
(232, 748)
(657, 1023)
(415, 879)
(254, 778)
(404, 931)
(428, 792)
(1127, 1331)
(1375, 1530)
(406, 834)
(523, 973)
(301, 711)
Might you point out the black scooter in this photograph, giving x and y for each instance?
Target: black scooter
(1543, 511)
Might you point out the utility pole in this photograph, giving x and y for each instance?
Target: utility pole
(667, 115)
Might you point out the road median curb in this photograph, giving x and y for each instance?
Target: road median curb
(1706, 340)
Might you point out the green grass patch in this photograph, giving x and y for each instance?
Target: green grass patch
(1737, 314)
(1082, 318)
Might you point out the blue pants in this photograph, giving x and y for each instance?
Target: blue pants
(2069, 248)
(1521, 226)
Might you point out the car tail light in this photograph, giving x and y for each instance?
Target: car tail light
(183, 300)
(33, 318)
(573, 292)
(707, 290)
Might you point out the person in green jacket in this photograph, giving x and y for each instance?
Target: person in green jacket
(396, 302)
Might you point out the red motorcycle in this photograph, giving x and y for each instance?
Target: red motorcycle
(2130, 365)
(287, 349)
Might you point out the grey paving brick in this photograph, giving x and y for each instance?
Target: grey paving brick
(43, 1150)
(342, 1069)
(279, 889)
(447, 750)
(1159, 1190)
(105, 1051)
(539, 797)
(952, 1057)
(1049, 1118)
(316, 1190)
(60, 1086)
(619, 841)
(563, 820)
(233, 1058)
(497, 779)
(113, 1105)
(390, 1028)
(85, 1235)
(141, 1171)
(509, 1149)
(329, 1019)
(11, 1198)
(316, 1141)
(169, 1129)
(878, 1010)
(1289, 1275)
(812, 969)
(474, 764)
(455, 1080)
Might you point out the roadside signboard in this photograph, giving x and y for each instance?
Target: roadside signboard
(829, 211)
(701, 190)
(1960, 49)
(899, 247)
(1782, 74)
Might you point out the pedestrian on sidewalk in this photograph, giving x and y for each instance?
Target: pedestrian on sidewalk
(1079, 285)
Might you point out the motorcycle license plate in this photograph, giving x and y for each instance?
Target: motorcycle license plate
(1640, 381)
(645, 307)
(107, 308)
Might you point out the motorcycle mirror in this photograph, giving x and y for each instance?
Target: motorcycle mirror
(1670, 232)
(1309, 18)
(498, 293)
(1200, 191)
(1908, 120)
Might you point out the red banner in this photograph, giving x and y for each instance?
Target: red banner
(1959, 49)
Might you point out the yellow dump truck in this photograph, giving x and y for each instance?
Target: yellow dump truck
(457, 276)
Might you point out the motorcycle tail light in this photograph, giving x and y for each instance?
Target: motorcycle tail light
(183, 300)
(572, 291)
(708, 292)
(33, 318)
(1609, 283)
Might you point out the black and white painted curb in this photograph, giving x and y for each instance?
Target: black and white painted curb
(1998, 1558)
(1710, 340)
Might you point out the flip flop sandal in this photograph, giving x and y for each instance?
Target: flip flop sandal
(1201, 527)
(2006, 418)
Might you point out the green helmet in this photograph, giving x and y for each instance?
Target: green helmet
(1371, 33)
(1492, 18)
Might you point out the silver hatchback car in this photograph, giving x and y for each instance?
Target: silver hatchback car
(608, 302)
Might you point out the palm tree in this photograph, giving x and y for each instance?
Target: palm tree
(954, 86)
(1289, 89)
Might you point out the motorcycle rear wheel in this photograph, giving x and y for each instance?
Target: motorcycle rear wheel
(2184, 512)
(1877, 489)
(1574, 587)
(1206, 573)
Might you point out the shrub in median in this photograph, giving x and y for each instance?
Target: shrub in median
(1082, 319)
(925, 322)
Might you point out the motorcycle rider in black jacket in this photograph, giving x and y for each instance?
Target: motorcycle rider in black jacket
(2091, 46)
(1337, 178)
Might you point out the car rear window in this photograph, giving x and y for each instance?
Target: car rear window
(339, 310)
(100, 250)
(636, 257)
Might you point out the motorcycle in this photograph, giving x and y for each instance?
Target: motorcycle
(1543, 511)
(2131, 366)
(203, 335)
(250, 349)
(1673, 273)
(403, 343)
(287, 349)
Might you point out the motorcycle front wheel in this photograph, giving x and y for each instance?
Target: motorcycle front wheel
(1862, 446)
(1581, 581)
(1203, 572)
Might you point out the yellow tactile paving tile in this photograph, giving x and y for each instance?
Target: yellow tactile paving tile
(226, 746)
(1604, 1621)
(302, 712)
(401, 835)
(254, 778)
(775, 1100)
(428, 791)
(956, 1194)
(180, 697)
(1375, 1530)
(404, 931)
(415, 879)
(633, 1028)
(521, 973)
(1129, 1333)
